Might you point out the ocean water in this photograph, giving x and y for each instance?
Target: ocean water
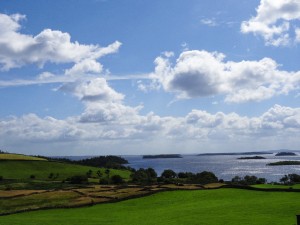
(224, 166)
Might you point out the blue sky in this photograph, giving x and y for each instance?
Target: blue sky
(140, 77)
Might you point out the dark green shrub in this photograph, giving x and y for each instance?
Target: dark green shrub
(117, 179)
(168, 174)
(104, 181)
(144, 176)
(78, 179)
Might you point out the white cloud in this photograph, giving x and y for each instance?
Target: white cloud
(102, 103)
(201, 73)
(93, 90)
(273, 21)
(279, 126)
(297, 31)
(17, 49)
(209, 22)
(85, 66)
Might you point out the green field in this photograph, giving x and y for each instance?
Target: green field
(278, 186)
(203, 207)
(9, 156)
(41, 170)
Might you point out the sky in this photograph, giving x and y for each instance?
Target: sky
(99, 77)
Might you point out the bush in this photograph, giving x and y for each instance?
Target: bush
(89, 173)
(168, 174)
(51, 175)
(290, 179)
(104, 181)
(78, 179)
(144, 176)
(183, 175)
(248, 180)
(117, 179)
(205, 177)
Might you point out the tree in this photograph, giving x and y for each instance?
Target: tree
(110, 161)
(78, 179)
(99, 173)
(168, 174)
(183, 175)
(205, 177)
(294, 178)
(261, 181)
(144, 176)
(51, 175)
(284, 179)
(236, 180)
(89, 173)
(117, 179)
(107, 172)
(290, 179)
(250, 180)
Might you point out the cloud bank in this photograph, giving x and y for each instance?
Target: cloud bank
(278, 127)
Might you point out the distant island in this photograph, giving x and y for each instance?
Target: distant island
(286, 154)
(252, 157)
(284, 163)
(162, 156)
(236, 153)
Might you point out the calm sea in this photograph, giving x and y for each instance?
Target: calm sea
(224, 166)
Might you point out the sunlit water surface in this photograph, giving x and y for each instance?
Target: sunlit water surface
(225, 167)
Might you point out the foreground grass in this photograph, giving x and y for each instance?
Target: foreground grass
(41, 170)
(204, 207)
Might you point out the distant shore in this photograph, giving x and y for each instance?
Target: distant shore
(162, 156)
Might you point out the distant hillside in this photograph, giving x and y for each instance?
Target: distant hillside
(286, 154)
(252, 157)
(162, 156)
(10, 156)
(23, 169)
(236, 153)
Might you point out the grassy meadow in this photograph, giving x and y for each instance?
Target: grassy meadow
(9, 156)
(277, 186)
(15, 169)
(202, 207)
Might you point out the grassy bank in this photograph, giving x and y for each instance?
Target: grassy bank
(205, 207)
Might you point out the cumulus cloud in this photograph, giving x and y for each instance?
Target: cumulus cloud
(273, 21)
(85, 66)
(17, 49)
(201, 73)
(279, 123)
(102, 103)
